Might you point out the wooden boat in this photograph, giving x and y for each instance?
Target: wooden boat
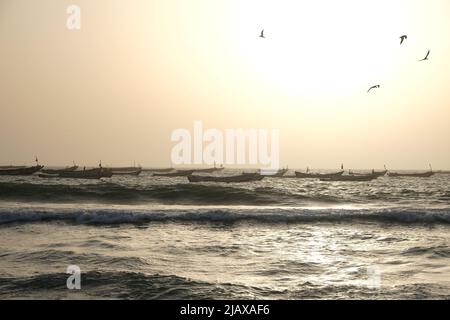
(134, 172)
(355, 178)
(245, 177)
(25, 171)
(208, 170)
(58, 171)
(48, 176)
(443, 172)
(156, 170)
(278, 174)
(11, 167)
(308, 175)
(412, 175)
(378, 174)
(178, 173)
(124, 168)
(96, 173)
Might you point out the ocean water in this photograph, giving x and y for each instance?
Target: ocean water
(162, 238)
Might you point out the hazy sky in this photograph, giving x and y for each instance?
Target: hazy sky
(139, 69)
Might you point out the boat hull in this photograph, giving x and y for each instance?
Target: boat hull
(411, 175)
(87, 174)
(27, 171)
(351, 178)
(246, 177)
(175, 174)
(126, 173)
(163, 170)
(58, 171)
(302, 175)
(279, 174)
(209, 170)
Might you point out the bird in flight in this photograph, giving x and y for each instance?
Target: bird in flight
(426, 58)
(374, 87)
(403, 38)
(262, 34)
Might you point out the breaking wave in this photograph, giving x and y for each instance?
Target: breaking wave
(226, 215)
(106, 192)
(140, 286)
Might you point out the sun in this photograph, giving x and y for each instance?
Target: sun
(318, 48)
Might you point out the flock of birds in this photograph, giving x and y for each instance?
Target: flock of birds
(402, 39)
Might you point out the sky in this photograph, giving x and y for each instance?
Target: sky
(137, 70)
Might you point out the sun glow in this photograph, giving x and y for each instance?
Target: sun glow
(152, 66)
(325, 48)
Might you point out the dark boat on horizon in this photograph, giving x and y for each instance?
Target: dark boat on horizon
(207, 170)
(308, 175)
(158, 170)
(411, 175)
(126, 171)
(244, 177)
(12, 167)
(58, 171)
(178, 173)
(22, 171)
(352, 178)
(378, 174)
(278, 174)
(96, 173)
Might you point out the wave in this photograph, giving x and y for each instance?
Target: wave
(107, 192)
(141, 286)
(430, 252)
(226, 215)
(126, 285)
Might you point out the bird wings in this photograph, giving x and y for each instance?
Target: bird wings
(374, 87)
(403, 38)
(426, 58)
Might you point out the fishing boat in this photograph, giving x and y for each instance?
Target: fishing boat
(378, 174)
(48, 176)
(96, 173)
(244, 177)
(355, 178)
(208, 170)
(178, 173)
(411, 175)
(126, 171)
(11, 167)
(23, 171)
(58, 171)
(158, 170)
(308, 175)
(278, 174)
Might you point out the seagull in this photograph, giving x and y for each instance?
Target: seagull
(374, 87)
(262, 34)
(426, 58)
(403, 38)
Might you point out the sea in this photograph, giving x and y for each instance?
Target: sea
(152, 237)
